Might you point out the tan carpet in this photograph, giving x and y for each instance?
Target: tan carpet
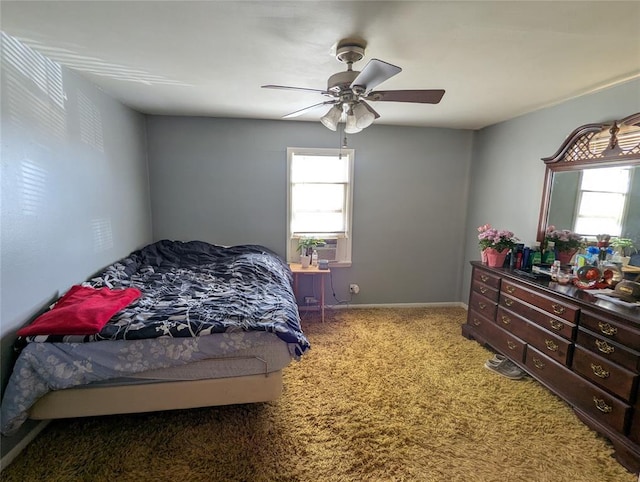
(384, 395)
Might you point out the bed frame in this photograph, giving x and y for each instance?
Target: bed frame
(157, 396)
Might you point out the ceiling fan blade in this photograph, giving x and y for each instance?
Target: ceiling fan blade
(432, 96)
(374, 73)
(302, 111)
(286, 87)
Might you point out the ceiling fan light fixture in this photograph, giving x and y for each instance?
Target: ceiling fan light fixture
(363, 115)
(330, 119)
(351, 127)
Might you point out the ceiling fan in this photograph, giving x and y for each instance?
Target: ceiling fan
(349, 90)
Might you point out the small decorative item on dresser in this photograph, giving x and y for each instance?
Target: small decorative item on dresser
(495, 244)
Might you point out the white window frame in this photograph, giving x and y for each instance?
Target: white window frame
(343, 242)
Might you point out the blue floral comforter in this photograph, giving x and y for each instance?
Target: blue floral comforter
(195, 288)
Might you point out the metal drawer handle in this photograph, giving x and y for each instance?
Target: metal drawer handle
(511, 345)
(484, 278)
(604, 347)
(483, 290)
(551, 345)
(602, 405)
(555, 324)
(508, 301)
(505, 319)
(607, 329)
(599, 371)
(510, 289)
(557, 309)
(476, 322)
(538, 363)
(482, 305)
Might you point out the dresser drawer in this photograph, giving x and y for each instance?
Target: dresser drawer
(504, 342)
(551, 345)
(483, 305)
(611, 329)
(553, 323)
(600, 405)
(556, 307)
(609, 350)
(486, 278)
(511, 322)
(608, 375)
(476, 319)
(486, 291)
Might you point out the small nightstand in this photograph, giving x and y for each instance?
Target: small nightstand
(298, 270)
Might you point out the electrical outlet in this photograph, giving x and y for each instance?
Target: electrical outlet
(354, 288)
(310, 300)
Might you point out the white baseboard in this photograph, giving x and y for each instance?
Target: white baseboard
(20, 446)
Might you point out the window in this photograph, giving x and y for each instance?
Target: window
(319, 201)
(603, 200)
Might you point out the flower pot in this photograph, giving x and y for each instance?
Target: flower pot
(565, 256)
(305, 261)
(495, 259)
(483, 256)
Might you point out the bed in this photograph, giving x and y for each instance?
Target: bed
(209, 325)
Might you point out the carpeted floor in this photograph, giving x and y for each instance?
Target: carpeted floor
(384, 395)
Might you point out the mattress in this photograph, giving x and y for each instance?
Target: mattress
(43, 367)
(157, 395)
(260, 360)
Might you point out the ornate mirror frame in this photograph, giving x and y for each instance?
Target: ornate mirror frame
(615, 143)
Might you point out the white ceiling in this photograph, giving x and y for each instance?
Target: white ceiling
(496, 60)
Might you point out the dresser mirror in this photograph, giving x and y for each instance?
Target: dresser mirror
(592, 183)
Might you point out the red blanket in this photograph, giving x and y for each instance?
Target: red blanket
(81, 311)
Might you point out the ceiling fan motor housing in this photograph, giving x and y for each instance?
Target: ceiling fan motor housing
(341, 80)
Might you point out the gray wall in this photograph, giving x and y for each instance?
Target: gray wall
(74, 181)
(224, 181)
(507, 172)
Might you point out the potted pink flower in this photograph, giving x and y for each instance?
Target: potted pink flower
(495, 244)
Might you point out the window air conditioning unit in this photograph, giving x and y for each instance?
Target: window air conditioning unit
(327, 252)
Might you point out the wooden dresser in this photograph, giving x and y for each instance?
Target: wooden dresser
(584, 349)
